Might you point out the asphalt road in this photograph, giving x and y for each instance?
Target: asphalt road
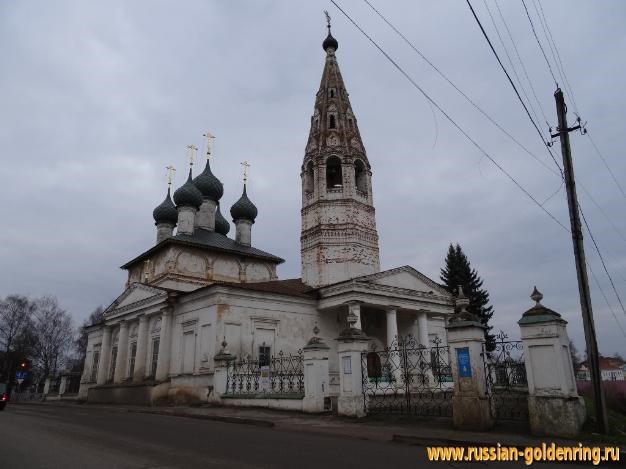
(38, 436)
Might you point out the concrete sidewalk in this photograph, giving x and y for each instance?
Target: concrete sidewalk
(423, 432)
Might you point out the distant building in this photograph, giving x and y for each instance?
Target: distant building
(612, 369)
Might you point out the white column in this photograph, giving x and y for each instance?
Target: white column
(163, 361)
(105, 353)
(122, 353)
(422, 325)
(393, 344)
(392, 326)
(142, 349)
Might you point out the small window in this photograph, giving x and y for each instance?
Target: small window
(113, 360)
(350, 124)
(155, 356)
(331, 121)
(133, 354)
(94, 366)
(264, 355)
(334, 179)
(331, 92)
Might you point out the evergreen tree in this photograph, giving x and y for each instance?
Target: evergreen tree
(457, 271)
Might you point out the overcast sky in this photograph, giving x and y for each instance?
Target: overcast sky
(96, 98)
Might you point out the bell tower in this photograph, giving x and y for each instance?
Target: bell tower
(338, 238)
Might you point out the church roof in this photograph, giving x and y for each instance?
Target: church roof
(210, 240)
(289, 287)
(166, 212)
(188, 194)
(334, 127)
(209, 186)
(244, 209)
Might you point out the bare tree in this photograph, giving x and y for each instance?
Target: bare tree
(52, 327)
(15, 314)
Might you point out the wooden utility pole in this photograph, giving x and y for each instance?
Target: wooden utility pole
(581, 267)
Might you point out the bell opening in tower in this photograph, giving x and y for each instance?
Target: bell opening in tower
(334, 178)
(360, 176)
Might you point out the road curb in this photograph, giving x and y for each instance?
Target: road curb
(218, 418)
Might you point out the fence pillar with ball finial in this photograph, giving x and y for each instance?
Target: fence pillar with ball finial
(221, 385)
(471, 408)
(554, 406)
(316, 377)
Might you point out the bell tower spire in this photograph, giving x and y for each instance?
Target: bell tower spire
(338, 238)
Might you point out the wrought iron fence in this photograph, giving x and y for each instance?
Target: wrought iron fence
(408, 378)
(278, 376)
(505, 372)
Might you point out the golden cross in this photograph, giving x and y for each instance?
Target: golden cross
(245, 166)
(327, 19)
(209, 142)
(192, 153)
(170, 174)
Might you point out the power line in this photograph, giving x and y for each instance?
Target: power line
(464, 133)
(467, 98)
(606, 299)
(593, 143)
(601, 259)
(560, 62)
(452, 121)
(599, 207)
(539, 43)
(506, 52)
(519, 58)
(512, 84)
(484, 113)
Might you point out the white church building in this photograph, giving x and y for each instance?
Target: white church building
(198, 293)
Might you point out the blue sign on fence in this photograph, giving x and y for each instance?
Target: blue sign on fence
(463, 362)
(21, 374)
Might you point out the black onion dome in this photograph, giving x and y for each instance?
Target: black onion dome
(244, 209)
(208, 184)
(166, 212)
(221, 225)
(330, 41)
(188, 194)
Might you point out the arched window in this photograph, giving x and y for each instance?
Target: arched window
(331, 121)
(360, 176)
(350, 123)
(332, 93)
(334, 178)
(308, 178)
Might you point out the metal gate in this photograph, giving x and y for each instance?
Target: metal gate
(277, 376)
(505, 372)
(408, 378)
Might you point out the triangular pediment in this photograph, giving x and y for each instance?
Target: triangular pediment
(405, 277)
(135, 295)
